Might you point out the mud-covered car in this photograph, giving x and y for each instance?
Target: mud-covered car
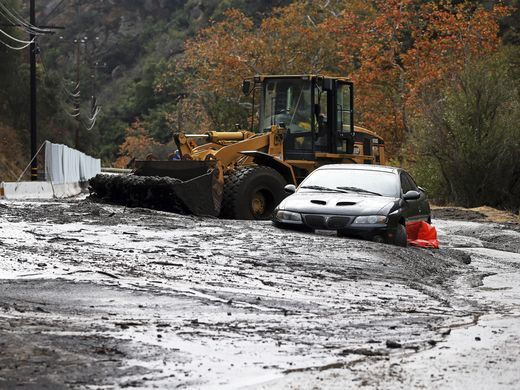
(366, 201)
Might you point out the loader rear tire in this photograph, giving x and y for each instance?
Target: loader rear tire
(252, 193)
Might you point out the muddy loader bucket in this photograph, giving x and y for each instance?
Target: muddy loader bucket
(185, 187)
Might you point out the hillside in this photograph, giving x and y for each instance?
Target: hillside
(124, 47)
(130, 41)
(149, 68)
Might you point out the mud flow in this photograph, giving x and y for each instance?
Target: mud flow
(101, 296)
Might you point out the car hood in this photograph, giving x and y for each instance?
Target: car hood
(338, 203)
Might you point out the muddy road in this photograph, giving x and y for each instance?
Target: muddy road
(99, 296)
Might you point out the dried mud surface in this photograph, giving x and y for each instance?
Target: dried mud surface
(99, 296)
(458, 214)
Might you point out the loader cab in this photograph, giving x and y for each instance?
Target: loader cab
(318, 114)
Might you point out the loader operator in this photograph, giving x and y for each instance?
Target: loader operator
(320, 120)
(288, 102)
(320, 143)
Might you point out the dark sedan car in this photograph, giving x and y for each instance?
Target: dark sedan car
(366, 201)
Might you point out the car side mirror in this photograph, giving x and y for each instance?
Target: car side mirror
(290, 188)
(412, 195)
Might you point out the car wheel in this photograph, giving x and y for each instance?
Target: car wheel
(400, 238)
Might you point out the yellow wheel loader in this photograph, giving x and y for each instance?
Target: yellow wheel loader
(305, 121)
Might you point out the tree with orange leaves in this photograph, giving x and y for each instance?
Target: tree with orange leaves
(137, 145)
(400, 48)
(392, 49)
(222, 55)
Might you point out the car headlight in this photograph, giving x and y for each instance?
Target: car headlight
(371, 219)
(288, 216)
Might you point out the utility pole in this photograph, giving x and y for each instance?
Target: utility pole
(33, 110)
(78, 98)
(32, 61)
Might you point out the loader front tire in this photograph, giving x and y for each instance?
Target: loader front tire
(252, 193)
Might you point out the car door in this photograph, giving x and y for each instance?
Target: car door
(422, 203)
(411, 211)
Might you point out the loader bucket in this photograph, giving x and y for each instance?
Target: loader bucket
(185, 187)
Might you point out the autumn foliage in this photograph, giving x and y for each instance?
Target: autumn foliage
(287, 43)
(394, 50)
(401, 55)
(429, 78)
(138, 144)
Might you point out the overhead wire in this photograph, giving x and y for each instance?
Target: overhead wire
(89, 128)
(16, 39)
(70, 111)
(74, 112)
(15, 48)
(18, 21)
(97, 110)
(14, 17)
(92, 119)
(76, 88)
(73, 97)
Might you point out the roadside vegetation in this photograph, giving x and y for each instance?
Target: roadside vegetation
(469, 138)
(439, 80)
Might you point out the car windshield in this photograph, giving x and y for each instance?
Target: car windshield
(364, 182)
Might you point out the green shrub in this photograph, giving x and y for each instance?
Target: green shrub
(471, 131)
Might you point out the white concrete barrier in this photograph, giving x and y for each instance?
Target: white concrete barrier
(28, 190)
(65, 170)
(66, 190)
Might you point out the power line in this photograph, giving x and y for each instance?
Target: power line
(29, 27)
(14, 17)
(33, 87)
(97, 110)
(15, 48)
(89, 128)
(75, 97)
(73, 112)
(16, 39)
(70, 111)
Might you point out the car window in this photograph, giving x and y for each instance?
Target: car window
(411, 181)
(381, 182)
(406, 185)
